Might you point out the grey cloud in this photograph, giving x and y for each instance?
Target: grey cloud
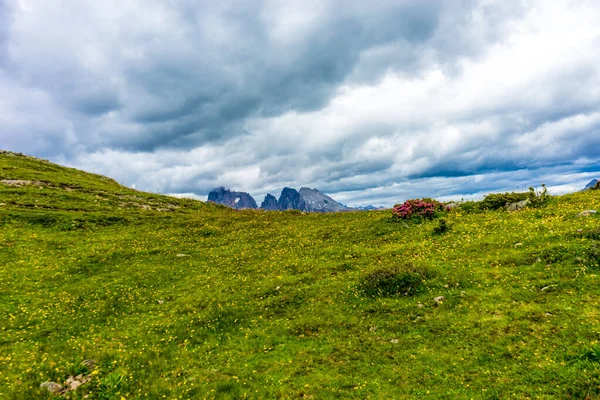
(188, 97)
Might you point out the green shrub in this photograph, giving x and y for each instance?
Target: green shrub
(393, 281)
(442, 227)
(496, 201)
(538, 198)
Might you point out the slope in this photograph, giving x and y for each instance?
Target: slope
(180, 299)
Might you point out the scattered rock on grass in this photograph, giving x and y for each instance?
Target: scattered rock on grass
(89, 364)
(439, 299)
(52, 387)
(517, 206)
(182, 255)
(15, 182)
(587, 213)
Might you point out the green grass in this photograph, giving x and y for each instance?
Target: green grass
(179, 299)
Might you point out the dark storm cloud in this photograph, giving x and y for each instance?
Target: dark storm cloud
(365, 100)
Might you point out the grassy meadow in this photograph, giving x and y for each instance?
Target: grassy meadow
(178, 299)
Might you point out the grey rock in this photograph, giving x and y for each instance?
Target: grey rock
(89, 364)
(439, 299)
(450, 206)
(518, 205)
(52, 387)
(290, 199)
(72, 383)
(237, 200)
(316, 201)
(592, 185)
(15, 182)
(269, 203)
(587, 213)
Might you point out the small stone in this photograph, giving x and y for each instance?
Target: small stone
(579, 230)
(72, 383)
(278, 287)
(419, 305)
(372, 329)
(394, 341)
(182, 255)
(519, 244)
(52, 387)
(89, 364)
(545, 288)
(161, 301)
(587, 213)
(439, 299)
(2, 204)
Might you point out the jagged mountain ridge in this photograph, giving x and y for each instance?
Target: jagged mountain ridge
(237, 200)
(307, 200)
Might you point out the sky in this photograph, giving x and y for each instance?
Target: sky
(370, 102)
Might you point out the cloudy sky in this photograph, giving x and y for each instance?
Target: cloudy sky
(371, 102)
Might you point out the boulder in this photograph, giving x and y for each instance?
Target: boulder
(519, 205)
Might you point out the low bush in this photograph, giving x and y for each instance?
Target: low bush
(539, 197)
(418, 208)
(496, 201)
(393, 281)
(442, 227)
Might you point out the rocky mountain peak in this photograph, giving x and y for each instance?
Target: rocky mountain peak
(269, 203)
(237, 200)
(290, 199)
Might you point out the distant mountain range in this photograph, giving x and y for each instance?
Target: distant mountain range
(307, 200)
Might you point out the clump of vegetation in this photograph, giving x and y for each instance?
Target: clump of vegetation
(442, 227)
(538, 197)
(424, 208)
(496, 201)
(393, 281)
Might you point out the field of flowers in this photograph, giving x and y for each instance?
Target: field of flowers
(177, 299)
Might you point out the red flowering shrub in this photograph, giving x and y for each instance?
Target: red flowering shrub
(417, 208)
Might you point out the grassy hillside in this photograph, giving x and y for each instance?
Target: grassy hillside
(179, 299)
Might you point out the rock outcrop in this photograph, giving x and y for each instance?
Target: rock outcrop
(269, 203)
(315, 201)
(237, 200)
(290, 199)
(594, 184)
